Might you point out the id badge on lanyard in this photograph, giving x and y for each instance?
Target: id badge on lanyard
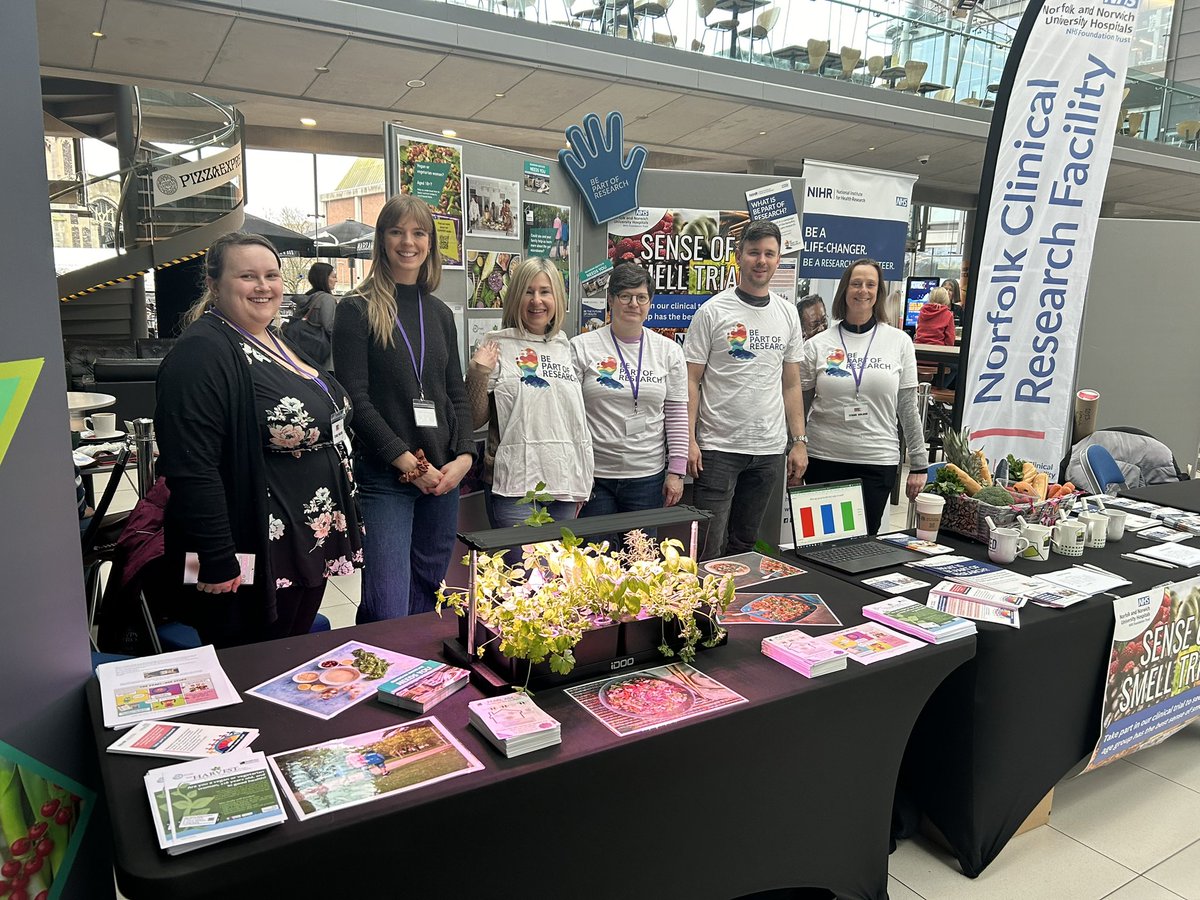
(341, 436)
(425, 414)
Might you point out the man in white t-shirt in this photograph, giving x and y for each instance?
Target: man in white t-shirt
(745, 406)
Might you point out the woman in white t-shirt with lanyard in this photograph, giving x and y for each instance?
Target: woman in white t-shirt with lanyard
(522, 384)
(635, 390)
(858, 377)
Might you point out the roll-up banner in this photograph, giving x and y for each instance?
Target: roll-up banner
(849, 213)
(1039, 198)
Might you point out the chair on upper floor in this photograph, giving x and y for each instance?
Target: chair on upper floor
(945, 94)
(1188, 130)
(874, 67)
(817, 51)
(1134, 124)
(722, 27)
(914, 72)
(587, 11)
(522, 7)
(663, 40)
(761, 29)
(650, 11)
(850, 58)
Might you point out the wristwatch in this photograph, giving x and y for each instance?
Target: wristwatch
(799, 439)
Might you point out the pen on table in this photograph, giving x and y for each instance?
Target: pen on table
(1093, 568)
(1149, 562)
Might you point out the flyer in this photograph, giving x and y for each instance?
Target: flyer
(1153, 684)
(777, 203)
(492, 207)
(749, 569)
(487, 277)
(163, 686)
(362, 768)
(548, 235)
(778, 609)
(894, 583)
(869, 643)
(334, 681)
(181, 740)
(433, 172)
(640, 701)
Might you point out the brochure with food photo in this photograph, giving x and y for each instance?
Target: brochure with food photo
(163, 686)
(640, 701)
(778, 609)
(362, 768)
(749, 569)
(336, 680)
(180, 740)
(869, 643)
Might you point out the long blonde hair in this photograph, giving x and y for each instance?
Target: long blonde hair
(214, 268)
(518, 283)
(378, 288)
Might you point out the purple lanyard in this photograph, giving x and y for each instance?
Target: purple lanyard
(419, 369)
(858, 376)
(635, 383)
(280, 351)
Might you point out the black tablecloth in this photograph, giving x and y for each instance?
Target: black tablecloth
(792, 789)
(1006, 727)
(1179, 494)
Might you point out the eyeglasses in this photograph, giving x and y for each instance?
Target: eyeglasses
(634, 299)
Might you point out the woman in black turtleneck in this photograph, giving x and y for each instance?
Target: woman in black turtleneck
(858, 377)
(396, 351)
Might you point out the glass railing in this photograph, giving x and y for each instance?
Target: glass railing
(919, 48)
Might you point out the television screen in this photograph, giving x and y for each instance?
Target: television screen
(916, 292)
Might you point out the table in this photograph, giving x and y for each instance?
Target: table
(928, 87)
(1006, 727)
(610, 27)
(795, 53)
(892, 74)
(719, 795)
(80, 402)
(737, 7)
(1179, 494)
(940, 355)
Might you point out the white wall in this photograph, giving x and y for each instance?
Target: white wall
(1140, 346)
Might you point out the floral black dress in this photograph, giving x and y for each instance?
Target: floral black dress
(312, 525)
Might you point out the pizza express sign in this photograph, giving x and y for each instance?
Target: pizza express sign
(191, 178)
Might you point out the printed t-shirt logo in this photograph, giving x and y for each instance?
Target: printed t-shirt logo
(835, 363)
(737, 342)
(527, 362)
(607, 367)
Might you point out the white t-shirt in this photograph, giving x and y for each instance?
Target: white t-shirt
(743, 348)
(625, 444)
(543, 431)
(841, 428)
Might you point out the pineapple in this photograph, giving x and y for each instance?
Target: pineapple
(957, 450)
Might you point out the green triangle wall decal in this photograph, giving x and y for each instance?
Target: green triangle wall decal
(17, 379)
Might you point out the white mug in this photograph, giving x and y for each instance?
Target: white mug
(1005, 544)
(1068, 538)
(102, 424)
(1097, 528)
(1039, 541)
(1116, 523)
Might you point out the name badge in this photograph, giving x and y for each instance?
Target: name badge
(635, 424)
(857, 411)
(337, 427)
(425, 413)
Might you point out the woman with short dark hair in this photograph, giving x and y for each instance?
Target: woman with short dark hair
(317, 306)
(635, 392)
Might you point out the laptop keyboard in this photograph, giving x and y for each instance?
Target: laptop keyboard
(862, 550)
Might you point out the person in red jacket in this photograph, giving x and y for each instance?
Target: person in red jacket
(935, 321)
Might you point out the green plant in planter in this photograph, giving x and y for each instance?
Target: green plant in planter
(542, 608)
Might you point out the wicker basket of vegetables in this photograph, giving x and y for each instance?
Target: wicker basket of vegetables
(974, 494)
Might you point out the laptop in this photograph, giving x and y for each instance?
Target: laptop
(829, 527)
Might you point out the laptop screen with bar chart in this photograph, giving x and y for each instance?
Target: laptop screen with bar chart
(827, 512)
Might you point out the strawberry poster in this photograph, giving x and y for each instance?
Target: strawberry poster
(1153, 687)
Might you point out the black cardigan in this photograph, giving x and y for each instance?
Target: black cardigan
(210, 453)
(382, 383)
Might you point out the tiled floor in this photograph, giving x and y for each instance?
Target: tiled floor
(1130, 831)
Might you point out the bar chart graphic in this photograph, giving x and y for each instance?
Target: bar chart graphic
(827, 512)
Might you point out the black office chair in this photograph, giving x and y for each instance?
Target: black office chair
(96, 552)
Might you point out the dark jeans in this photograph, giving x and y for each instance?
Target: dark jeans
(223, 621)
(735, 488)
(618, 495)
(878, 482)
(506, 512)
(407, 542)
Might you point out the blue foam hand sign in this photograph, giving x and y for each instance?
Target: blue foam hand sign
(608, 184)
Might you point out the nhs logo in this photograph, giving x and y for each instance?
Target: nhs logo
(820, 193)
(1128, 4)
(902, 201)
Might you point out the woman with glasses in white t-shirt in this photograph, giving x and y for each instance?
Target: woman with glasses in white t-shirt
(635, 391)
(858, 377)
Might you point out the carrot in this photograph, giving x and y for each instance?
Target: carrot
(973, 487)
(1069, 488)
(1024, 487)
(1054, 491)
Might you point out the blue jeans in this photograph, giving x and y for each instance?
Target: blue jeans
(618, 495)
(735, 488)
(400, 575)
